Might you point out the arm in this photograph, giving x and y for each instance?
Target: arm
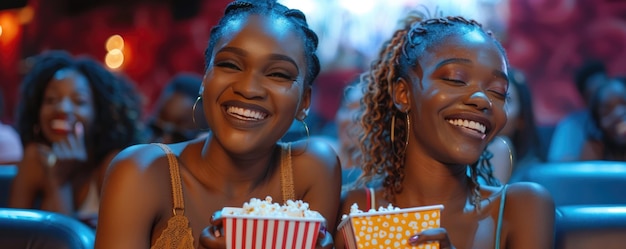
(130, 203)
(317, 174)
(530, 214)
(29, 179)
(357, 196)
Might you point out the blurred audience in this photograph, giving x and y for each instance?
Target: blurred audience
(73, 117)
(572, 131)
(10, 146)
(608, 110)
(348, 129)
(175, 119)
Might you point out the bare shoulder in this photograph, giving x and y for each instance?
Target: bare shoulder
(529, 193)
(316, 153)
(356, 196)
(137, 165)
(530, 216)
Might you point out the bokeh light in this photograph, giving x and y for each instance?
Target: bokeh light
(114, 58)
(115, 42)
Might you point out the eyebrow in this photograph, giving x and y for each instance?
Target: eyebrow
(496, 73)
(274, 57)
(454, 61)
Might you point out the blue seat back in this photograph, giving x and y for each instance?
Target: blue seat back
(7, 173)
(579, 183)
(590, 226)
(30, 228)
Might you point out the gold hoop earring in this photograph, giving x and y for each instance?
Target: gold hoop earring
(193, 113)
(306, 129)
(393, 135)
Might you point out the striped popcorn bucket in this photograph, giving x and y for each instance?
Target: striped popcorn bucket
(389, 229)
(261, 232)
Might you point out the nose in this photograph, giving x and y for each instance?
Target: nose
(250, 87)
(480, 101)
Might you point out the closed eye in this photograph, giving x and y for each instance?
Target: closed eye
(454, 81)
(501, 95)
(228, 65)
(281, 76)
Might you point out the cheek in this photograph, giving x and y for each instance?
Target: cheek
(501, 114)
(86, 112)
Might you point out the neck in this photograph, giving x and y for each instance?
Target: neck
(433, 184)
(236, 172)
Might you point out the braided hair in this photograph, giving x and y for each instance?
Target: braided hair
(381, 158)
(242, 9)
(116, 102)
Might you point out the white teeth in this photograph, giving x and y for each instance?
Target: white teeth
(246, 114)
(60, 124)
(468, 124)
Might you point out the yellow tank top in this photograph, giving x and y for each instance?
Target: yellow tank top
(177, 234)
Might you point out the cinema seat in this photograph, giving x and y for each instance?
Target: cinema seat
(590, 226)
(7, 173)
(578, 183)
(35, 229)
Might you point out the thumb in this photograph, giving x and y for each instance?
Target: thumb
(79, 129)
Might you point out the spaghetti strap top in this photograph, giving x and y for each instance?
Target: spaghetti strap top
(371, 201)
(286, 173)
(500, 215)
(371, 198)
(177, 234)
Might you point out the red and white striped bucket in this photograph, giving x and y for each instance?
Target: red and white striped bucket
(261, 232)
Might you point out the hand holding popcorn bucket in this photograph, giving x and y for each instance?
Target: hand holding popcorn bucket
(388, 227)
(263, 224)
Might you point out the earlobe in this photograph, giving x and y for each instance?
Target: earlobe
(305, 104)
(302, 114)
(401, 95)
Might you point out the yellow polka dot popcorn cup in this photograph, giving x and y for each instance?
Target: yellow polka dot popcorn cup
(389, 229)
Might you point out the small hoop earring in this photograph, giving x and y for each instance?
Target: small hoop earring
(393, 135)
(193, 113)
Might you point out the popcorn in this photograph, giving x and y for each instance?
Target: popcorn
(258, 207)
(354, 209)
(265, 224)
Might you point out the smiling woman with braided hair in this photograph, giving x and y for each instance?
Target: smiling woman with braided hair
(435, 99)
(260, 64)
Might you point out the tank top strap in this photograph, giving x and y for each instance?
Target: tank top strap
(370, 195)
(286, 173)
(500, 216)
(177, 188)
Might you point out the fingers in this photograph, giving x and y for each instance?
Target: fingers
(79, 130)
(73, 147)
(216, 219)
(324, 239)
(210, 239)
(432, 235)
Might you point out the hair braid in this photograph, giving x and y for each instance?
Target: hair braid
(243, 9)
(379, 110)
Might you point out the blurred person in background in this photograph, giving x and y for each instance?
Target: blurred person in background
(73, 117)
(10, 145)
(175, 119)
(571, 132)
(608, 110)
